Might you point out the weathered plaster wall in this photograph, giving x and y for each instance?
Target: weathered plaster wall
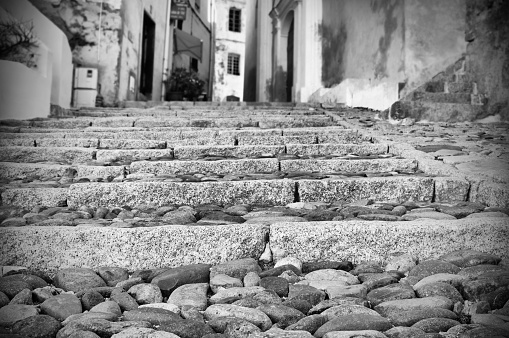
(434, 38)
(390, 40)
(362, 39)
(488, 52)
(228, 42)
(25, 92)
(132, 14)
(56, 42)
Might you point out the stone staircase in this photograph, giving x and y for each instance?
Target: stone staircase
(173, 185)
(449, 96)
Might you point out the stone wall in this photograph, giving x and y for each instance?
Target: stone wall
(488, 52)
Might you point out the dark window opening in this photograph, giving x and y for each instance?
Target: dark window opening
(147, 55)
(193, 64)
(180, 24)
(234, 20)
(197, 4)
(233, 64)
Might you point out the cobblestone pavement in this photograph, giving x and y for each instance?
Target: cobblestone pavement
(253, 222)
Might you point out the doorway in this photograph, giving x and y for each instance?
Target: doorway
(289, 71)
(147, 55)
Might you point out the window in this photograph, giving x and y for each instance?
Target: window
(233, 64)
(234, 20)
(180, 23)
(197, 4)
(193, 64)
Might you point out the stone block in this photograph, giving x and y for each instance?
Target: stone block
(98, 171)
(75, 123)
(163, 193)
(17, 142)
(194, 152)
(132, 154)
(67, 142)
(350, 190)
(374, 240)
(155, 122)
(349, 166)
(46, 154)
(219, 167)
(30, 197)
(114, 122)
(451, 189)
(490, 193)
(276, 140)
(131, 144)
(10, 170)
(336, 149)
(54, 248)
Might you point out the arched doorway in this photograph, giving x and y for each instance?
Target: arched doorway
(285, 60)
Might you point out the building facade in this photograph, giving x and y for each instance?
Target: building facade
(313, 46)
(131, 42)
(229, 50)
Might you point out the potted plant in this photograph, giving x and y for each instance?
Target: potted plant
(183, 84)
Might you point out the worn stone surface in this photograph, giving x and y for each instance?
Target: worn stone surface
(385, 188)
(334, 241)
(126, 247)
(163, 193)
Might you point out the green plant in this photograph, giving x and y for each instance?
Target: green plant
(17, 42)
(185, 81)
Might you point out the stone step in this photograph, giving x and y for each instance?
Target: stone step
(261, 121)
(75, 140)
(376, 241)
(443, 97)
(434, 112)
(273, 136)
(67, 155)
(53, 248)
(203, 111)
(460, 87)
(262, 192)
(257, 192)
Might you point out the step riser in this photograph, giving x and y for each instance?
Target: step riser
(217, 167)
(179, 122)
(254, 192)
(53, 248)
(349, 166)
(154, 194)
(399, 189)
(358, 241)
(46, 154)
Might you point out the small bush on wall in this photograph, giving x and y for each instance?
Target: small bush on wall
(17, 42)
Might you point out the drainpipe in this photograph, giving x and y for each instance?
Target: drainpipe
(166, 51)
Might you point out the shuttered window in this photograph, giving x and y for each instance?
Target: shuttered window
(234, 20)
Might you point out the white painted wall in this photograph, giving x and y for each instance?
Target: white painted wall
(55, 40)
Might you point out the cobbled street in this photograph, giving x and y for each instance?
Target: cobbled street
(268, 220)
